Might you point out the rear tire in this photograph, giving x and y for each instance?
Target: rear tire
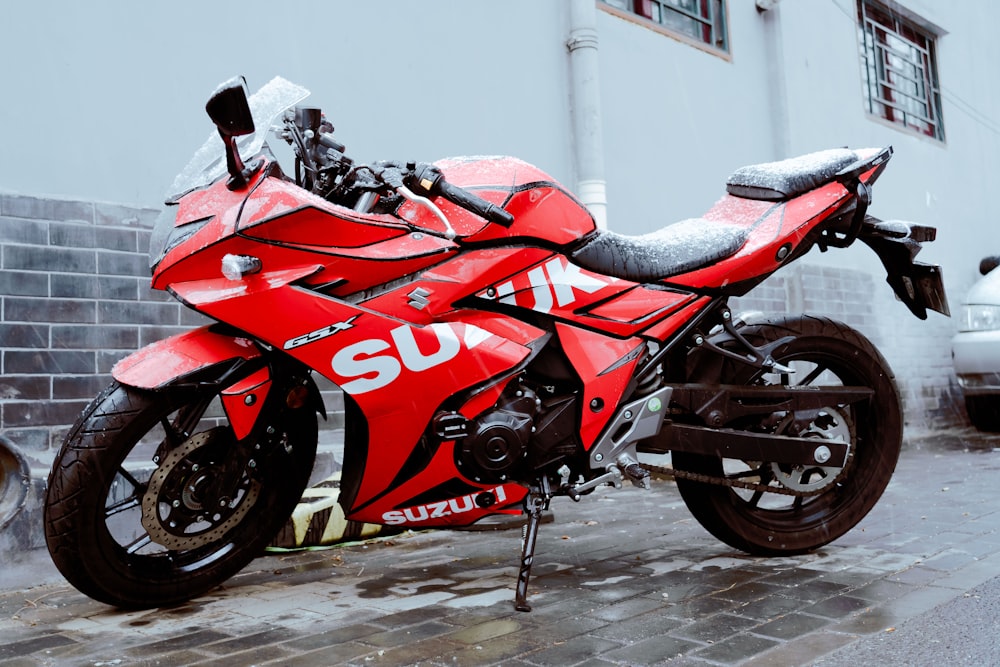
(823, 352)
(146, 505)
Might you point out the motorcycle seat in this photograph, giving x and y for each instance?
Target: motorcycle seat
(785, 179)
(678, 248)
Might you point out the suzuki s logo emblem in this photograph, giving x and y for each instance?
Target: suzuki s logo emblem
(374, 363)
(553, 283)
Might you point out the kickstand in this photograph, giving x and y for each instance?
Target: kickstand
(534, 505)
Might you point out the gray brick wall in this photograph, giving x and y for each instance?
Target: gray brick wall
(75, 298)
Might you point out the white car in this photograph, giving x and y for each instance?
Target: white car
(975, 349)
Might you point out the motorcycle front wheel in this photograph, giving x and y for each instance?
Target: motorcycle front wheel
(152, 501)
(786, 510)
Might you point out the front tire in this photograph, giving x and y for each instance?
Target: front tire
(150, 503)
(831, 501)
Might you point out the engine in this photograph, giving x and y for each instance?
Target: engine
(520, 436)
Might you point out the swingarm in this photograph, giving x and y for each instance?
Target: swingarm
(717, 405)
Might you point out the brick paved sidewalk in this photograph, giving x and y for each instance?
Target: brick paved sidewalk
(623, 577)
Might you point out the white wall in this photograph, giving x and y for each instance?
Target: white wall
(106, 100)
(678, 120)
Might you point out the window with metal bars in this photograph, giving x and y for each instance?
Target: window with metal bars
(703, 21)
(899, 69)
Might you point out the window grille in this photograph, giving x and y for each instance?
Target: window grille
(703, 21)
(899, 69)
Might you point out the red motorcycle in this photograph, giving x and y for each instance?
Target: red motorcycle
(495, 350)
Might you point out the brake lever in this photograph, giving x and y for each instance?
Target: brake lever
(392, 175)
(409, 195)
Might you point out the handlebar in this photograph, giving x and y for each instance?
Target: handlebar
(328, 169)
(429, 179)
(478, 205)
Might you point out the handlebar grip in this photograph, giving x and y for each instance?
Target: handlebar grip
(327, 140)
(477, 205)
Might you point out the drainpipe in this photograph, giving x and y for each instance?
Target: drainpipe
(585, 100)
(774, 54)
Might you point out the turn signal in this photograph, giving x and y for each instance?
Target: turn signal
(235, 267)
(297, 397)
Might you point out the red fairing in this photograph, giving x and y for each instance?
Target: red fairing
(554, 286)
(606, 365)
(397, 371)
(280, 212)
(244, 400)
(637, 309)
(454, 511)
(774, 226)
(308, 232)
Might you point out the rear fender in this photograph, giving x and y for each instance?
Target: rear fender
(897, 243)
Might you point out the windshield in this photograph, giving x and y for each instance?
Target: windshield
(209, 161)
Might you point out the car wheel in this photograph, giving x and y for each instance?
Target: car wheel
(984, 412)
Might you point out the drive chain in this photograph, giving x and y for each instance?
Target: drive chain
(724, 481)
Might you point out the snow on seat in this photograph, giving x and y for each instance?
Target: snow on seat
(678, 248)
(777, 181)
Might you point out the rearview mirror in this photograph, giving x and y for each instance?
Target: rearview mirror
(229, 110)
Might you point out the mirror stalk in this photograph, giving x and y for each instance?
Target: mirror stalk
(234, 163)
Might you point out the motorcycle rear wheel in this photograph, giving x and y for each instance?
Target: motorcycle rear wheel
(823, 352)
(145, 507)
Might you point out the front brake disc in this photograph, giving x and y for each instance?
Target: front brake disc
(177, 513)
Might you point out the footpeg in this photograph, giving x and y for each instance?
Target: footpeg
(638, 475)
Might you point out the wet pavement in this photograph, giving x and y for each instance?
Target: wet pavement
(622, 578)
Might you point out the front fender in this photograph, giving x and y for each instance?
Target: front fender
(243, 374)
(169, 361)
(205, 356)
